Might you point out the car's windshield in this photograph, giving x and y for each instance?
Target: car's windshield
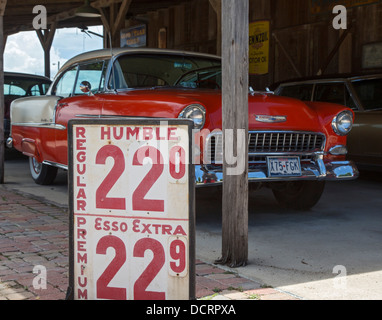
(149, 70)
(208, 78)
(369, 92)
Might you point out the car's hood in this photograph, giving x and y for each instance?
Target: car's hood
(169, 102)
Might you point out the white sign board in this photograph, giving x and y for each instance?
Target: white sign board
(132, 213)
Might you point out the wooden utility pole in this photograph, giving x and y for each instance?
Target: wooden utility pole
(235, 50)
(3, 3)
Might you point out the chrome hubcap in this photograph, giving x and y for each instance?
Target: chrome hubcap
(36, 166)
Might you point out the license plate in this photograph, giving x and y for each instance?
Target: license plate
(284, 167)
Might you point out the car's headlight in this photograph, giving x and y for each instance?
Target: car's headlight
(196, 113)
(343, 123)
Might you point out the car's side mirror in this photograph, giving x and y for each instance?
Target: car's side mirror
(85, 87)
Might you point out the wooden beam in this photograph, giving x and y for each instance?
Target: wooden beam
(335, 50)
(113, 20)
(287, 55)
(121, 16)
(235, 51)
(217, 6)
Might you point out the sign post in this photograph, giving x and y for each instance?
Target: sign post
(132, 221)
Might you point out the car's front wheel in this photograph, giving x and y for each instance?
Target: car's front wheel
(299, 195)
(42, 173)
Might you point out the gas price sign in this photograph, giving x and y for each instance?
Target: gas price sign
(131, 210)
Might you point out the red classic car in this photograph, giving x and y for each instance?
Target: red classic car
(294, 147)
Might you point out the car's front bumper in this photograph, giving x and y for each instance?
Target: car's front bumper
(318, 170)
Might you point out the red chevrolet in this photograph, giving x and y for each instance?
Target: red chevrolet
(294, 146)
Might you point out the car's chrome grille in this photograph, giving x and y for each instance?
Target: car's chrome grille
(285, 142)
(263, 144)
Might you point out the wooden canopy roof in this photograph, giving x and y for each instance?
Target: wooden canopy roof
(18, 14)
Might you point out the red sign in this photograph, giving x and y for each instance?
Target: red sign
(131, 191)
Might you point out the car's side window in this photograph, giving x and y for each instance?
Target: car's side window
(11, 89)
(330, 92)
(64, 86)
(370, 93)
(302, 91)
(35, 90)
(92, 73)
(335, 92)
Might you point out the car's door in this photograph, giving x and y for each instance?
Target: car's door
(368, 122)
(75, 103)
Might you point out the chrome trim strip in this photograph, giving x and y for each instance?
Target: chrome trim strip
(57, 165)
(270, 119)
(41, 125)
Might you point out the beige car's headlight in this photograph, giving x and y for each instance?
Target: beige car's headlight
(343, 123)
(196, 113)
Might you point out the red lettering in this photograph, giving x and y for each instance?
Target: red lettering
(130, 132)
(82, 294)
(80, 132)
(179, 230)
(171, 134)
(81, 205)
(82, 258)
(118, 136)
(79, 184)
(146, 228)
(166, 229)
(81, 221)
(105, 133)
(157, 130)
(81, 245)
(148, 134)
(81, 194)
(82, 170)
(156, 227)
(80, 144)
(81, 156)
(82, 284)
(81, 234)
(136, 225)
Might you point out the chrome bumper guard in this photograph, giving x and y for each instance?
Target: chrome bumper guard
(319, 170)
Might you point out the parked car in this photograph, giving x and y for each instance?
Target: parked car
(363, 94)
(294, 147)
(17, 85)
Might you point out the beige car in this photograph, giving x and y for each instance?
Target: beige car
(363, 94)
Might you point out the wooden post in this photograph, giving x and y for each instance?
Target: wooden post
(3, 3)
(46, 40)
(115, 23)
(235, 47)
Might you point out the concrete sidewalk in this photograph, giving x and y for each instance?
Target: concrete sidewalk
(34, 234)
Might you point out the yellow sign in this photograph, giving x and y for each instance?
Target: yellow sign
(323, 6)
(259, 38)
